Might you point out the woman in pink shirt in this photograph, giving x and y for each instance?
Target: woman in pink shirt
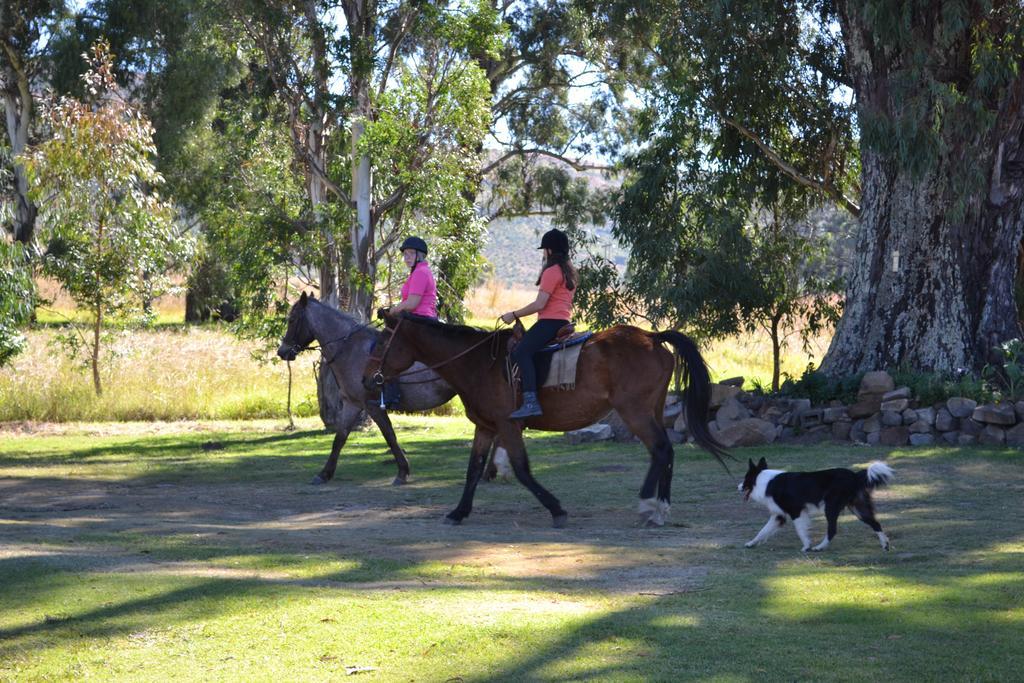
(419, 293)
(553, 306)
(419, 297)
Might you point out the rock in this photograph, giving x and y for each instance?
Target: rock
(992, 435)
(668, 418)
(841, 430)
(873, 424)
(749, 432)
(811, 418)
(785, 432)
(857, 433)
(890, 418)
(1015, 435)
(680, 423)
(1019, 407)
(996, 414)
(730, 412)
(732, 382)
(897, 404)
(878, 382)
(902, 392)
(926, 415)
(865, 406)
(672, 399)
(952, 438)
(921, 439)
(620, 432)
(920, 427)
(595, 432)
(835, 414)
(960, 407)
(944, 420)
(967, 440)
(720, 393)
(674, 436)
(893, 436)
(971, 427)
(799, 405)
(873, 438)
(909, 416)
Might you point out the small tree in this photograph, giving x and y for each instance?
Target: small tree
(798, 293)
(111, 237)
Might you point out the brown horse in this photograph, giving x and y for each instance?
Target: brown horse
(622, 368)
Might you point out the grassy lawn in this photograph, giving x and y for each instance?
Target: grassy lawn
(204, 555)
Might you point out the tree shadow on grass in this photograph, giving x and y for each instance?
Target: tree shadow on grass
(940, 603)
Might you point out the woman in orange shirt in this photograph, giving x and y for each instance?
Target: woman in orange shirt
(553, 306)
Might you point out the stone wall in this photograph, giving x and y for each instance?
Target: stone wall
(883, 414)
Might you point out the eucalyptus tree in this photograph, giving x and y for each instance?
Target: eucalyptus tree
(25, 29)
(383, 105)
(905, 114)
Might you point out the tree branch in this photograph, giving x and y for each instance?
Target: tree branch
(787, 168)
(576, 165)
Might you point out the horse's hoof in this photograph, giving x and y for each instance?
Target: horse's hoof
(451, 521)
(559, 521)
(399, 481)
(318, 480)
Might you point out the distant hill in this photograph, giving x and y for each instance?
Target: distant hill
(511, 247)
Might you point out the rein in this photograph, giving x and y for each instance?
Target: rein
(379, 379)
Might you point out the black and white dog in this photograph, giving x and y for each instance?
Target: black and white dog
(797, 494)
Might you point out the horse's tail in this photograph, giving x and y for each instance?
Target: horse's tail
(697, 398)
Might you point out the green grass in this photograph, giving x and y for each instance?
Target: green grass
(168, 374)
(182, 372)
(145, 557)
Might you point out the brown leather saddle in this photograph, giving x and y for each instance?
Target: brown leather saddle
(566, 336)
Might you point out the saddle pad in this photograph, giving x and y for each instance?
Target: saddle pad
(561, 373)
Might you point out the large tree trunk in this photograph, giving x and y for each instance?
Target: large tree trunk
(932, 287)
(17, 100)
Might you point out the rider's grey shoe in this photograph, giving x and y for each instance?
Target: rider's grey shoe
(530, 407)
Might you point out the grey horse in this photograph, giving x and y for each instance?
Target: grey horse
(346, 344)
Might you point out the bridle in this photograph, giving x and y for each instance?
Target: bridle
(298, 348)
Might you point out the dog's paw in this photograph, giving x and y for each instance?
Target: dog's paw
(750, 544)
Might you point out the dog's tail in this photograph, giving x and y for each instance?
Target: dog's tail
(878, 474)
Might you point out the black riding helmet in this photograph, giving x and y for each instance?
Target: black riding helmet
(555, 240)
(414, 243)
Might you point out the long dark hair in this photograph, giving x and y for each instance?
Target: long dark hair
(557, 258)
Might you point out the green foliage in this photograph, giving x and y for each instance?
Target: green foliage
(821, 388)
(1008, 375)
(250, 199)
(930, 388)
(17, 297)
(112, 238)
(443, 103)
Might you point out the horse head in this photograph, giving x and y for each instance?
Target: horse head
(299, 334)
(392, 355)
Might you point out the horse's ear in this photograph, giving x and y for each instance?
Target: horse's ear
(762, 463)
(750, 463)
(302, 299)
(312, 296)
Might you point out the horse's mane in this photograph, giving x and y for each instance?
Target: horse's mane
(347, 317)
(448, 329)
